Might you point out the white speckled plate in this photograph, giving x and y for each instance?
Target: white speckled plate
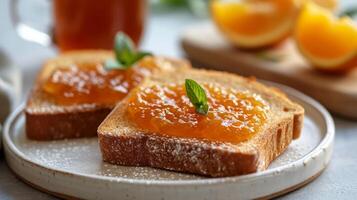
(73, 168)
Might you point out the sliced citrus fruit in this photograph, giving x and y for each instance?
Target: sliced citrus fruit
(255, 23)
(328, 42)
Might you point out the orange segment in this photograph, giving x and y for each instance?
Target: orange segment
(255, 23)
(326, 41)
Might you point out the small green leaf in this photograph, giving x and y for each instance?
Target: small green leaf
(113, 64)
(136, 57)
(125, 53)
(202, 109)
(140, 55)
(124, 48)
(197, 95)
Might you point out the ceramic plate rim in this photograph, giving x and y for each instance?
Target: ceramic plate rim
(328, 137)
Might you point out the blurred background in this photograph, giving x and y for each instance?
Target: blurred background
(162, 23)
(165, 21)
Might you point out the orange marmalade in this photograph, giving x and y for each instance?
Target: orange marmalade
(232, 117)
(90, 82)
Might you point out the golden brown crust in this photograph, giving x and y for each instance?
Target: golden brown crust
(123, 143)
(177, 154)
(273, 142)
(64, 125)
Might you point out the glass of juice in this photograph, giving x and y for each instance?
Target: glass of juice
(86, 24)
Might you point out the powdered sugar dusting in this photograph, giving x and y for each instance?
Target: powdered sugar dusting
(309, 139)
(83, 155)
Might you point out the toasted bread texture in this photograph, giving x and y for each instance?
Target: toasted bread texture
(123, 143)
(47, 120)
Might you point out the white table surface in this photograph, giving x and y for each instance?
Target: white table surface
(339, 181)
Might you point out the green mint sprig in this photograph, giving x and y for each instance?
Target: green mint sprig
(197, 96)
(125, 53)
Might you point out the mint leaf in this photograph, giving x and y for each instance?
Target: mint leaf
(124, 48)
(197, 95)
(125, 53)
(138, 56)
(135, 58)
(202, 109)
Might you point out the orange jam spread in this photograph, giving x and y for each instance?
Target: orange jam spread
(232, 117)
(81, 83)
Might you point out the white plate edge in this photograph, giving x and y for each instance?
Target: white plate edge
(325, 142)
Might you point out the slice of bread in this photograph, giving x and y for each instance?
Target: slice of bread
(47, 120)
(123, 143)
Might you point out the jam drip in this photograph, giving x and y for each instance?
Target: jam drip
(232, 117)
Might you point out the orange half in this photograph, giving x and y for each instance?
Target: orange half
(328, 42)
(255, 23)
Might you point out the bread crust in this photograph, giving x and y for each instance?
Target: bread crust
(206, 158)
(64, 125)
(123, 143)
(177, 154)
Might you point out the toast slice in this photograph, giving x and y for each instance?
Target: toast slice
(123, 143)
(48, 120)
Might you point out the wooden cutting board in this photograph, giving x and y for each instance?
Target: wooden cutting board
(205, 46)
